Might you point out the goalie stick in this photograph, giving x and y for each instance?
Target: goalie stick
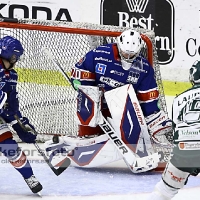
(135, 163)
(65, 164)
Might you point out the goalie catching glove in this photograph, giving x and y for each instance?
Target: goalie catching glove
(158, 125)
(28, 135)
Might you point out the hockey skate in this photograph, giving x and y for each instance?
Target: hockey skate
(34, 184)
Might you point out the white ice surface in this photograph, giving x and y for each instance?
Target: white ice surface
(111, 182)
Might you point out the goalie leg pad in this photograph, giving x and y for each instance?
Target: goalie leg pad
(128, 119)
(174, 177)
(52, 145)
(83, 152)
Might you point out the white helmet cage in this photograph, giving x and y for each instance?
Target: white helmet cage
(129, 42)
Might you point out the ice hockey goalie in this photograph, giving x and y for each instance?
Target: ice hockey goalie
(117, 109)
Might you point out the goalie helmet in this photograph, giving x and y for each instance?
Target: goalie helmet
(194, 73)
(10, 49)
(129, 45)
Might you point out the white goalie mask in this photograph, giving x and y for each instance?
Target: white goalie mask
(129, 44)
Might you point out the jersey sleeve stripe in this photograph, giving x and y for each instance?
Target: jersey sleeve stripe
(148, 96)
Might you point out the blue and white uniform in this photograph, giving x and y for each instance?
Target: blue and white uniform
(102, 67)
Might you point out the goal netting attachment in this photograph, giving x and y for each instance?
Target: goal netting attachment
(46, 98)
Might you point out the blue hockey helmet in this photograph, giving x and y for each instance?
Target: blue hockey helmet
(194, 74)
(10, 49)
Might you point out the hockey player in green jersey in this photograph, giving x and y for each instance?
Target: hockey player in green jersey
(185, 160)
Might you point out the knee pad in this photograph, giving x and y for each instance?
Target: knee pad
(13, 152)
(9, 148)
(174, 177)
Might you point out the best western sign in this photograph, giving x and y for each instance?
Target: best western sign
(148, 14)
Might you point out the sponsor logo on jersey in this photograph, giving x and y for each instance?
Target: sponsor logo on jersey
(138, 69)
(111, 82)
(138, 65)
(12, 80)
(133, 77)
(189, 145)
(117, 73)
(103, 59)
(118, 64)
(148, 14)
(101, 51)
(148, 95)
(188, 134)
(152, 95)
(86, 75)
(100, 68)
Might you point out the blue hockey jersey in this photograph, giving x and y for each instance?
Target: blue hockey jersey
(8, 83)
(102, 67)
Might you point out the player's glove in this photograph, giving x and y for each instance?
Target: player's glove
(27, 136)
(195, 172)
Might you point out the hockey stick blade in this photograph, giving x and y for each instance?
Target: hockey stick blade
(57, 171)
(65, 164)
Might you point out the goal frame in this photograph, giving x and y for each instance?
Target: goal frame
(96, 30)
(10, 23)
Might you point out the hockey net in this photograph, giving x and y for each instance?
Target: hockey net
(46, 98)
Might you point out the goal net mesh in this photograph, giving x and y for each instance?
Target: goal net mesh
(46, 98)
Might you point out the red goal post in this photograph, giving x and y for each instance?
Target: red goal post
(45, 96)
(79, 31)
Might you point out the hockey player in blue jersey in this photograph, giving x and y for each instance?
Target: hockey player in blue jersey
(116, 64)
(185, 160)
(10, 52)
(106, 69)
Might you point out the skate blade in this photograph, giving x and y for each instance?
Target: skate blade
(39, 194)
